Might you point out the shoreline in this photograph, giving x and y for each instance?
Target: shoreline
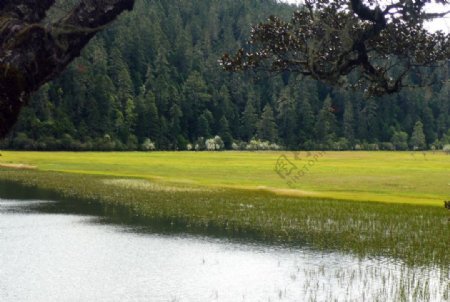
(414, 234)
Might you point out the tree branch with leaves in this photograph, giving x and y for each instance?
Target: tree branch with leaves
(366, 44)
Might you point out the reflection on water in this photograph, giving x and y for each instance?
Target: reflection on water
(63, 251)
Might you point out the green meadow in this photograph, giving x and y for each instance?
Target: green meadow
(394, 177)
(366, 203)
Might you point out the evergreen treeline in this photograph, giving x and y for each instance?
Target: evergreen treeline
(152, 81)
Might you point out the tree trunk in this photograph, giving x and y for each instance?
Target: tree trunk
(33, 53)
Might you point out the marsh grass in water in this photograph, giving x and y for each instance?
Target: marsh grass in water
(375, 283)
(415, 235)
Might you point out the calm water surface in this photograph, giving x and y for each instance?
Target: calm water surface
(65, 251)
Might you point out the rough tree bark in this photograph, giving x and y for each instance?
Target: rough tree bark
(33, 52)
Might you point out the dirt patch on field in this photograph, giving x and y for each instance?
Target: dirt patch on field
(142, 184)
(18, 166)
(288, 192)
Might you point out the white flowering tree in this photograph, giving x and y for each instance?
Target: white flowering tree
(446, 149)
(148, 145)
(214, 144)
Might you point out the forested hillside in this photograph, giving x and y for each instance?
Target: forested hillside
(153, 80)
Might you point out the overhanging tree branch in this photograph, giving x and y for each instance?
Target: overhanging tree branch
(335, 42)
(33, 53)
(26, 10)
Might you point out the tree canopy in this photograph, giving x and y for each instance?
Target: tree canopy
(368, 44)
(34, 50)
(151, 80)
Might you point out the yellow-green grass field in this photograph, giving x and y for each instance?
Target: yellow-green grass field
(393, 177)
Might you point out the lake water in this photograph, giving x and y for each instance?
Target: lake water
(66, 251)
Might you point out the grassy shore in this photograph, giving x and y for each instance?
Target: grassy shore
(173, 190)
(393, 177)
